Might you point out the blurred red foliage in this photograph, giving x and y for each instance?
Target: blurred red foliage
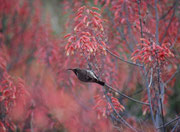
(37, 93)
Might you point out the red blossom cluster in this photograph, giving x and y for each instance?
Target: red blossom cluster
(10, 91)
(150, 52)
(103, 106)
(88, 34)
(131, 6)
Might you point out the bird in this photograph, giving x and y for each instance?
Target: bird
(85, 75)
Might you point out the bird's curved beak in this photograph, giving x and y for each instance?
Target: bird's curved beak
(70, 69)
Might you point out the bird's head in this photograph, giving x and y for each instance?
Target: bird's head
(74, 70)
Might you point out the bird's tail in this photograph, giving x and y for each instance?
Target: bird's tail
(100, 82)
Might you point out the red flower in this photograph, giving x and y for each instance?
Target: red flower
(87, 36)
(103, 107)
(150, 52)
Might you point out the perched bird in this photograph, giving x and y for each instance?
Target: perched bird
(87, 76)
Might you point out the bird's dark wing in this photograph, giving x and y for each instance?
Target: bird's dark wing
(82, 75)
(86, 75)
(92, 74)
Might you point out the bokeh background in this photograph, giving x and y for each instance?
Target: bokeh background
(37, 93)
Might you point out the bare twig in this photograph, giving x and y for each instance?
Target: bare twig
(121, 118)
(140, 20)
(168, 123)
(124, 95)
(149, 94)
(124, 38)
(175, 126)
(129, 30)
(172, 76)
(161, 95)
(175, 39)
(165, 14)
(31, 122)
(159, 86)
(157, 23)
(129, 62)
(119, 31)
(170, 21)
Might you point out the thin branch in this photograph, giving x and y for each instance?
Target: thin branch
(122, 119)
(119, 31)
(149, 34)
(175, 39)
(31, 122)
(161, 95)
(175, 126)
(140, 20)
(157, 23)
(129, 30)
(149, 95)
(172, 76)
(137, 92)
(124, 38)
(157, 42)
(170, 21)
(168, 123)
(165, 14)
(129, 62)
(124, 95)
(150, 79)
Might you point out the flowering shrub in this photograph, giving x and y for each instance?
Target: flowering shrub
(103, 107)
(150, 53)
(131, 45)
(88, 35)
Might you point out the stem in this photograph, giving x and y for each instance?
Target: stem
(123, 120)
(129, 30)
(157, 23)
(132, 99)
(160, 96)
(170, 21)
(149, 95)
(168, 123)
(165, 14)
(172, 76)
(123, 36)
(140, 20)
(175, 126)
(129, 62)
(157, 42)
